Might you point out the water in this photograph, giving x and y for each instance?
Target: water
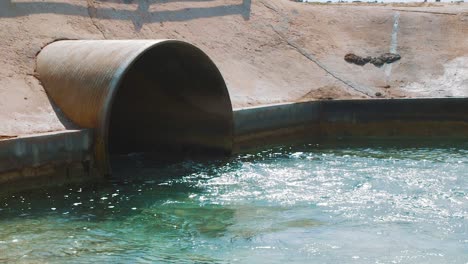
(309, 204)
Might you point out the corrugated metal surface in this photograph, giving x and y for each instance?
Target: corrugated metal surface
(83, 78)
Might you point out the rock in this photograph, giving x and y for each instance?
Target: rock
(377, 62)
(378, 94)
(355, 59)
(390, 57)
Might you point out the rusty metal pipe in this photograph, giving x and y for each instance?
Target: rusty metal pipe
(139, 95)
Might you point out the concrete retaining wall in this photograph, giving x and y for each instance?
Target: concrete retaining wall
(68, 156)
(350, 119)
(258, 127)
(48, 158)
(430, 118)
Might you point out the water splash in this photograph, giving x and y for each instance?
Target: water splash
(301, 204)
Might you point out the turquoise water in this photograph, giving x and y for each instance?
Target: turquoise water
(307, 204)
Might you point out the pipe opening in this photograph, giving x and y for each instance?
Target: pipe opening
(171, 99)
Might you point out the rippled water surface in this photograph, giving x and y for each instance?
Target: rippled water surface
(309, 204)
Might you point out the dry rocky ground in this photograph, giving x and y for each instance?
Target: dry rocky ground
(269, 51)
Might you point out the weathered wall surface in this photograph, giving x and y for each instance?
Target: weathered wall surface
(268, 51)
(370, 121)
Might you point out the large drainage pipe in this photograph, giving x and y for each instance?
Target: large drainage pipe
(139, 95)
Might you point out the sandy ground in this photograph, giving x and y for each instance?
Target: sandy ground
(269, 51)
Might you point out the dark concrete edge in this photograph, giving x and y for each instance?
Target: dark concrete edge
(46, 159)
(360, 119)
(68, 156)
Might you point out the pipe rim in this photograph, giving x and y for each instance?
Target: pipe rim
(102, 139)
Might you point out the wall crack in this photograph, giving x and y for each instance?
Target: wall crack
(312, 58)
(92, 13)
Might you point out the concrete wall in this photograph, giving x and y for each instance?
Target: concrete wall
(257, 127)
(317, 121)
(268, 52)
(48, 158)
(62, 157)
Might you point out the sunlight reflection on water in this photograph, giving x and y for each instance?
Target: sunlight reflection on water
(302, 204)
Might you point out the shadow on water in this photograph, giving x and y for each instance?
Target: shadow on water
(148, 181)
(148, 187)
(152, 202)
(167, 208)
(139, 16)
(146, 192)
